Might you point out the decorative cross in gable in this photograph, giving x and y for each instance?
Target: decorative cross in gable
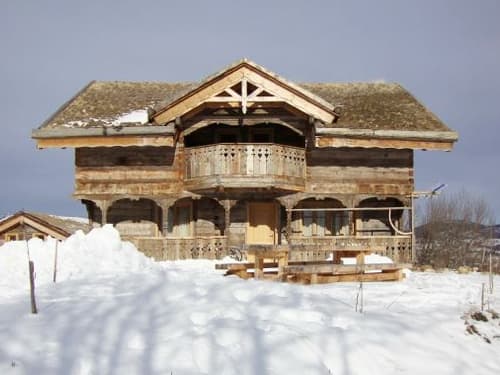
(244, 92)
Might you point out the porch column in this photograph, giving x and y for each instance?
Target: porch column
(351, 202)
(165, 205)
(289, 203)
(89, 206)
(288, 224)
(352, 223)
(227, 204)
(104, 205)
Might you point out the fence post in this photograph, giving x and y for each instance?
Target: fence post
(32, 287)
(55, 263)
(491, 275)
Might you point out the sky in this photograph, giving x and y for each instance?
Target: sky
(445, 52)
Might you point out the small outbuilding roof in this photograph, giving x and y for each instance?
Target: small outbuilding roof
(56, 226)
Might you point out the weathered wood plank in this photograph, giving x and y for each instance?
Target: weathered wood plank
(108, 141)
(338, 268)
(384, 143)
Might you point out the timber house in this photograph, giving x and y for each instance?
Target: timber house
(247, 158)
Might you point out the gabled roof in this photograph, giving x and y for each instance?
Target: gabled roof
(241, 73)
(56, 226)
(124, 108)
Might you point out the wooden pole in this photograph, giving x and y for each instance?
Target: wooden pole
(413, 240)
(482, 297)
(55, 263)
(32, 287)
(491, 275)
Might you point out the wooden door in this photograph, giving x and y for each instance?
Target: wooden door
(261, 223)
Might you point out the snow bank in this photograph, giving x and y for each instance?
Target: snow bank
(115, 311)
(100, 252)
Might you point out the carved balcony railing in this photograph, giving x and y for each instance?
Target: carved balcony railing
(245, 165)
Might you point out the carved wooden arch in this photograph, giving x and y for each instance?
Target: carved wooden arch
(205, 123)
(359, 199)
(389, 210)
(322, 197)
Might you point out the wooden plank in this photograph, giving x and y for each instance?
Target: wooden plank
(104, 141)
(337, 268)
(384, 143)
(366, 277)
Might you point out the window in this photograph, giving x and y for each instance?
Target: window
(320, 221)
(313, 223)
(182, 219)
(261, 135)
(11, 237)
(38, 235)
(227, 136)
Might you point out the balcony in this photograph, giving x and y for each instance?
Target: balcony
(245, 165)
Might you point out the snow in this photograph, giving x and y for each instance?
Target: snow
(369, 259)
(115, 311)
(78, 219)
(139, 116)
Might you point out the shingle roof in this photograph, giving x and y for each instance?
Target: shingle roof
(375, 106)
(99, 103)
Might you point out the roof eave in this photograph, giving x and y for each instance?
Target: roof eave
(148, 130)
(426, 135)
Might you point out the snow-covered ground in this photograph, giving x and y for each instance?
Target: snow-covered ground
(113, 311)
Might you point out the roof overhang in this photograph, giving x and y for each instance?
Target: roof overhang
(398, 139)
(148, 135)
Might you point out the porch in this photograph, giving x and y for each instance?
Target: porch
(309, 229)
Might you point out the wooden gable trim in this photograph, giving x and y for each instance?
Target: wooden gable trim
(245, 73)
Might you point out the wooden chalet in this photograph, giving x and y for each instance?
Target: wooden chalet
(26, 225)
(247, 159)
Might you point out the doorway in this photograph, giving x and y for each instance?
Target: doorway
(262, 219)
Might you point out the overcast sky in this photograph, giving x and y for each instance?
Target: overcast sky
(446, 53)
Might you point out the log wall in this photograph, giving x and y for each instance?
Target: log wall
(360, 171)
(137, 171)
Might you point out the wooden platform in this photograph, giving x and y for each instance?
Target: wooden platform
(317, 272)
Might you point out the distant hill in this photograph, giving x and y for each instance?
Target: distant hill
(486, 229)
(494, 230)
